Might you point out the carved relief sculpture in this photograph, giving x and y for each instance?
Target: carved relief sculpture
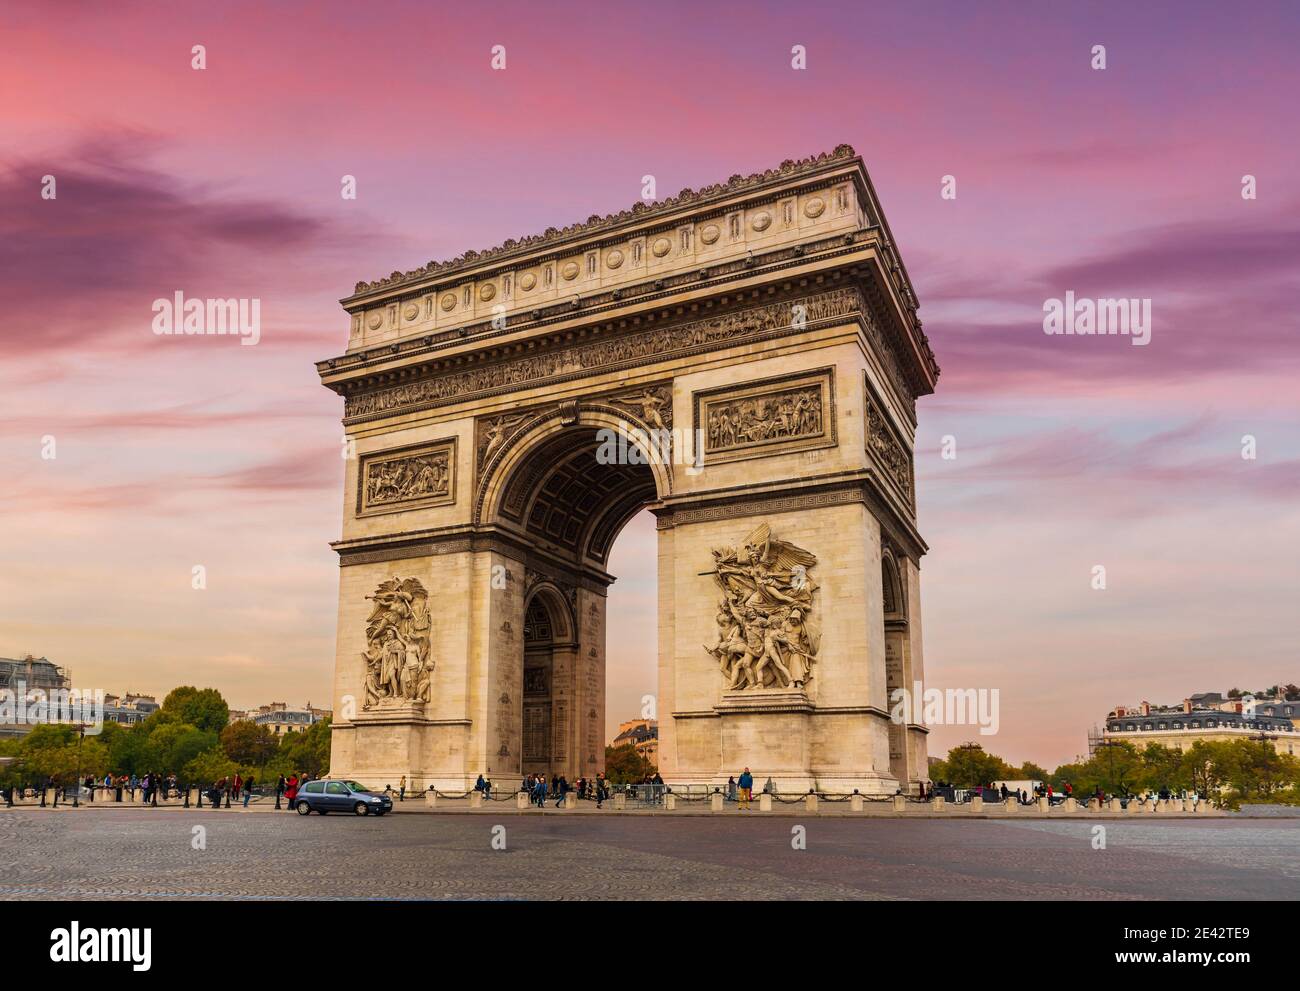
(771, 416)
(885, 447)
(764, 637)
(398, 666)
(407, 479)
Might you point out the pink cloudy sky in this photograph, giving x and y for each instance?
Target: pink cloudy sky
(1071, 451)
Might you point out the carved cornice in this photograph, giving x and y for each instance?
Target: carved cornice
(462, 540)
(595, 224)
(840, 489)
(613, 353)
(658, 289)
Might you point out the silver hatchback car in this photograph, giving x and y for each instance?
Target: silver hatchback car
(339, 795)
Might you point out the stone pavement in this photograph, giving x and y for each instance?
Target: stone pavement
(123, 853)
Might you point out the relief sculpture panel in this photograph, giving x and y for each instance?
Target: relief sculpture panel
(885, 447)
(765, 639)
(408, 478)
(771, 416)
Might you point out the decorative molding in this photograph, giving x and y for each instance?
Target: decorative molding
(406, 478)
(626, 351)
(794, 412)
(596, 223)
(741, 505)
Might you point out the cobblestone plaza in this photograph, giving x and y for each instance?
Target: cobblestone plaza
(150, 854)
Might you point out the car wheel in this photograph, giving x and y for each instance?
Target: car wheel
(304, 809)
(361, 809)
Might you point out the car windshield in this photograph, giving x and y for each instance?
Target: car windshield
(356, 786)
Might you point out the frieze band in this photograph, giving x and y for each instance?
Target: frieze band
(739, 326)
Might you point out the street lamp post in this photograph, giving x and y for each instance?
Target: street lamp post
(76, 785)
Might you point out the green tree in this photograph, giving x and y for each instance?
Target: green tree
(245, 742)
(306, 751)
(969, 765)
(1031, 772)
(203, 708)
(624, 765)
(210, 766)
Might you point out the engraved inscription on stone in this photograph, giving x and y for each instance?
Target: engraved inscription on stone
(537, 730)
(536, 682)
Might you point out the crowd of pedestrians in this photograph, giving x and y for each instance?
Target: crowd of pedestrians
(538, 789)
(152, 788)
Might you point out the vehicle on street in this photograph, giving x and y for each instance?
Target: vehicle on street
(339, 795)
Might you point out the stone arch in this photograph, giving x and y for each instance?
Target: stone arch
(545, 483)
(563, 626)
(895, 607)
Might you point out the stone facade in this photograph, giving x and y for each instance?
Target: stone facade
(743, 360)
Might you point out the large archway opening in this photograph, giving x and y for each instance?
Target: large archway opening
(565, 493)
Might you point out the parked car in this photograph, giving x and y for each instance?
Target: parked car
(338, 795)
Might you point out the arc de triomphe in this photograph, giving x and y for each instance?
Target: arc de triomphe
(744, 360)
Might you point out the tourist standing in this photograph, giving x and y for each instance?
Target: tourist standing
(401, 789)
(279, 790)
(746, 786)
(291, 790)
(248, 791)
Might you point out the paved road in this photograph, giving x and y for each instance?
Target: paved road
(143, 854)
